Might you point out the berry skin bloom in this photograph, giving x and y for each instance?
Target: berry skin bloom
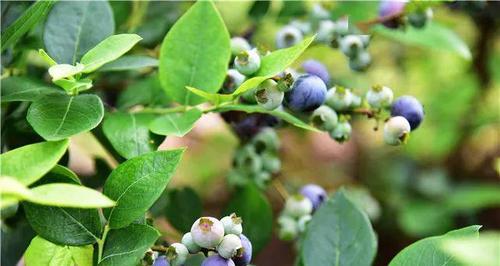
(177, 254)
(316, 68)
(247, 62)
(289, 229)
(351, 45)
(288, 36)
(161, 261)
(297, 206)
(232, 224)
(207, 232)
(238, 45)
(324, 118)
(342, 131)
(361, 62)
(315, 194)
(326, 32)
(244, 256)
(216, 260)
(302, 223)
(379, 96)
(390, 8)
(339, 98)
(308, 93)
(410, 108)
(268, 95)
(396, 130)
(233, 80)
(229, 246)
(187, 240)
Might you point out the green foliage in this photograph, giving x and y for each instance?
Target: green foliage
(68, 195)
(195, 53)
(183, 207)
(130, 62)
(24, 89)
(176, 124)
(356, 10)
(57, 117)
(339, 234)
(44, 253)
(471, 250)
(147, 92)
(137, 183)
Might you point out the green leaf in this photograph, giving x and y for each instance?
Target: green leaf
(278, 113)
(471, 197)
(74, 27)
(177, 124)
(253, 207)
(355, 10)
(24, 89)
(143, 92)
(129, 134)
(25, 22)
(428, 250)
(72, 86)
(56, 117)
(183, 208)
(433, 36)
(130, 62)
(108, 50)
(61, 71)
(126, 246)
(214, 98)
(69, 195)
(46, 57)
(195, 53)
(44, 253)
(29, 163)
(137, 183)
(471, 250)
(274, 63)
(339, 234)
(10, 186)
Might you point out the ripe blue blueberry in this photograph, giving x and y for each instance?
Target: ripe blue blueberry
(238, 45)
(351, 45)
(410, 108)
(216, 260)
(247, 62)
(324, 118)
(288, 36)
(361, 62)
(308, 93)
(177, 254)
(302, 222)
(207, 232)
(339, 98)
(268, 95)
(244, 256)
(316, 68)
(229, 246)
(379, 96)
(342, 132)
(388, 8)
(396, 130)
(161, 261)
(315, 194)
(232, 224)
(297, 206)
(233, 80)
(187, 240)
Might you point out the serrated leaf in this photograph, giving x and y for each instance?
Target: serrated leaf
(44, 253)
(195, 53)
(74, 27)
(176, 124)
(24, 89)
(183, 207)
(126, 246)
(56, 117)
(29, 163)
(36, 12)
(137, 183)
(130, 62)
(108, 50)
(339, 234)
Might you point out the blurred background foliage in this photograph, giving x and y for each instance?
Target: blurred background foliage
(446, 177)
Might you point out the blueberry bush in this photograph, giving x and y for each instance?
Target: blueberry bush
(211, 133)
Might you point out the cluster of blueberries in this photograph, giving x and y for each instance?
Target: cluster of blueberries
(298, 211)
(394, 10)
(257, 160)
(221, 241)
(337, 34)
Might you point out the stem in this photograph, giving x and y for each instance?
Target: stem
(176, 109)
(159, 248)
(363, 25)
(101, 241)
(280, 188)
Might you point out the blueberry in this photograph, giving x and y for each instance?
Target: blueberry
(339, 98)
(316, 68)
(262, 179)
(238, 45)
(308, 93)
(379, 96)
(304, 26)
(243, 257)
(270, 162)
(365, 39)
(298, 205)
(266, 140)
(356, 101)
(247, 159)
(410, 108)
(324, 118)
(288, 36)
(216, 260)
(419, 18)
(318, 12)
(207, 232)
(288, 229)
(177, 254)
(229, 246)
(396, 130)
(161, 261)
(315, 194)
(232, 224)
(187, 240)
(326, 32)
(247, 62)
(342, 26)
(233, 81)
(303, 221)
(342, 132)
(361, 62)
(389, 8)
(268, 95)
(351, 45)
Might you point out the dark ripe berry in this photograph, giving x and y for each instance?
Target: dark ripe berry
(246, 126)
(308, 93)
(161, 261)
(389, 8)
(216, 260)
(245, 256)
(315, 194)
(410, 108)
(316, 68)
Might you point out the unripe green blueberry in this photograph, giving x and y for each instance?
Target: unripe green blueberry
(318, 12)
(232, 224)
(324, 118)
(233, 80)
(396, 130)
(289, 229)
(379, 96)
(247, 62)
(304, 26)
(177, 254)
(271, 162)
(326, 31)
(303, 221)
(356, 101)
(229, 246)
(238, 45)
(419, 18)
(207, 232)
(342, 132)
(249, 96)
(361, 62)
(262, 179)
(187, 240)
(288, 36)
(365, 39)
(247, 159)
(298, 205)
(268, 96)
(342, 26)
(339, 98)
(351, 45)
(266, 140)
